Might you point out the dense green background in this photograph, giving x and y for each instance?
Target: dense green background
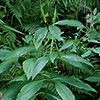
(46, 51)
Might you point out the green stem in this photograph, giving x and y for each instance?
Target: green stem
(49, 82)
(51, 48)
(58, 50)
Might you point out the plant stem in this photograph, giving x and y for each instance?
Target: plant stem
(49, 82)
(58, 50)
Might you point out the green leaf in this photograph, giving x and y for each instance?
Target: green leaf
(1, 22)
(95, 11)
(29, 90)
(19, 52)
(91, 33)
(86, 54)
(97, 50)
(54, 97)
(38, 66)
(19, 78)
(27, 67)
(97, 21)
(3, 53)
(94, 41)
(74, 82)
(64, 91)
(73, 23)
(53, 56)
(69, 80)
(39, 35)
(54, 18)
(67, 44)
(56, 31)
(12, 91)
(12, 29)
(93, 79)
(27, 38)
(76, 64)
(5, 65)
(76, 58)
(43, 15)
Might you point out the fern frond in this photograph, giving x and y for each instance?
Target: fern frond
(16, 11)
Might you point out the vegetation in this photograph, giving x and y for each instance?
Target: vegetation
(49, 50)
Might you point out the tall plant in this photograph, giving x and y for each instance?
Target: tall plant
(37, 61)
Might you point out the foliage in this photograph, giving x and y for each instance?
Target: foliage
(38, 62)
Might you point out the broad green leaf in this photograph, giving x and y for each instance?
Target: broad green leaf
(12, 91)
(38, 66)
(56, 31)
(76, 64)
(73, 23)
(19, 52)
(76, 58)
(27, 67)
(67, 44)
(29, 90)
(53, 56)
(97, 50)
(91, 33)
(93, 79)
(69, 80)
(74, 82)
(5, 65)
(19, 78)
(64, 91)
(39, 35)
(3, 53)
(86, 54)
